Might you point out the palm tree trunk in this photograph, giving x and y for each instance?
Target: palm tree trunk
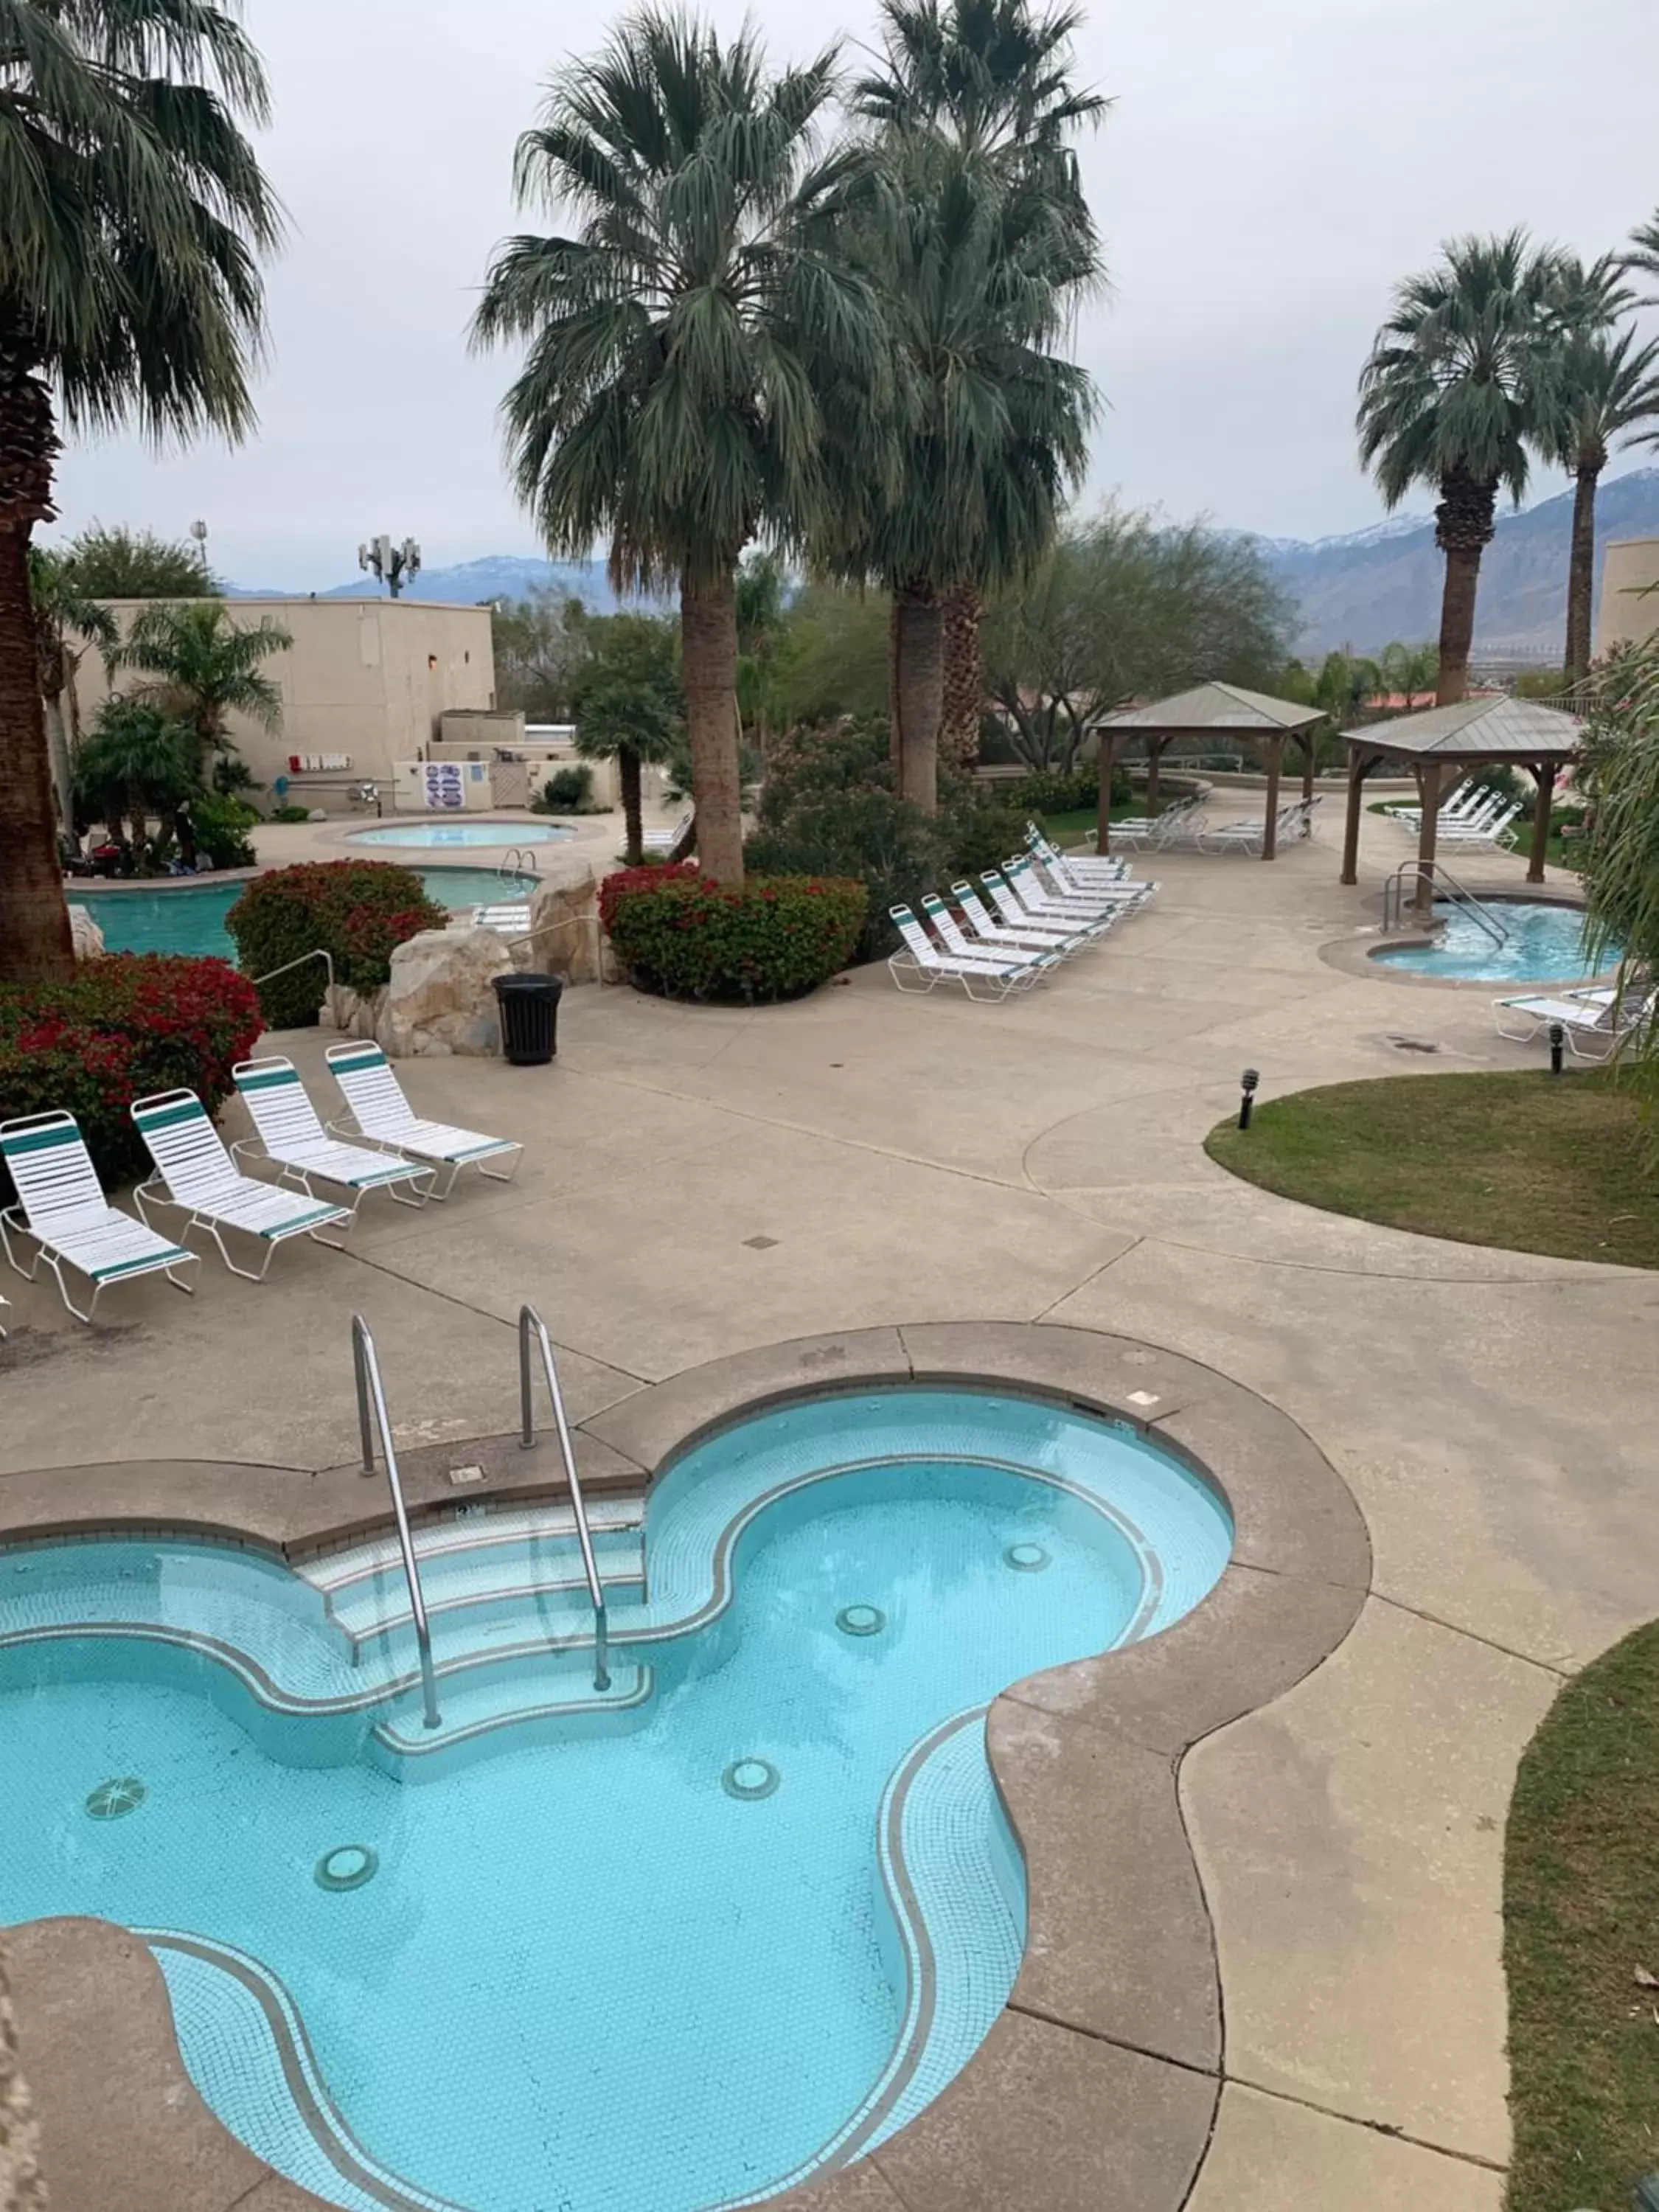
(1581, 572)
(963, 675)
(1463, 529)
(35, 944)
(709, 656)
(919, 693)
(138, 816)
(628, 776)
(57, 752)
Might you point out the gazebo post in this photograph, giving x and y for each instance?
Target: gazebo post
(1106, 760)
(1270, 820)
(1428, 793)
(1545, 772)
(1360, 766)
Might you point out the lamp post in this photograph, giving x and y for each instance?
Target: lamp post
(392, 565)
(1247, 1083)
(1558, 1038)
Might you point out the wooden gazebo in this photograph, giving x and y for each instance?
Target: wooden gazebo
(1210, 710)
(1446, 745)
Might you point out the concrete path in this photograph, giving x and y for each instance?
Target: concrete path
(701, 1181)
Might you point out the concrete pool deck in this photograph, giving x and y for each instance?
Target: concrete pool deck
(704, 1182)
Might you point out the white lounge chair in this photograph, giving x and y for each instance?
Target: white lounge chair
(1055, 878)
(384, 1117)
(1594, 1023)
(1489, 831)
(952, 935)
(1018, 914)
(1082, 867)
(1028, 936)
(1178, 824)
(194, 1172)
(666, 841)
(919, 965)
(292, 1137)
(1291, 824)
(1109, 900)
(1471, 806)
(509, 919)
(62, 1209)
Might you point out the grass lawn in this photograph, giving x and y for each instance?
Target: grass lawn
(1535, 1161)
(1580, 1927)
(1078, 821)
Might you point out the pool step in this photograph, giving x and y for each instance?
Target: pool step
(473, 1530)
(544, 1699)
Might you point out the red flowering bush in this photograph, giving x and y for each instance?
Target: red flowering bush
(125, 1026)
(686, 936)
(358, 912)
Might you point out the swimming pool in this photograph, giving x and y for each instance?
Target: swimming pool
(673, 1946)
(1543, 944)
(504, 834)
(192, 919)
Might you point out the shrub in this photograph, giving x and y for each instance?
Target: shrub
(1050, 791)
(688, 937)
(356, 911)
(125, 1026)
(221, 825)
(290, 814)
(567, 791)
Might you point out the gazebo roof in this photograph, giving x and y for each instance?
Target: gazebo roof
(1215, 706)
(1496, 728)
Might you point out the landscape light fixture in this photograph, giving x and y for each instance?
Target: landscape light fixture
(394, 565)
(1558, 1038)
(1247, 1082)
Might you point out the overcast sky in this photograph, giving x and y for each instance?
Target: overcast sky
(1266, 173)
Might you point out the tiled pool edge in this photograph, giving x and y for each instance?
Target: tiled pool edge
(1097, 2087)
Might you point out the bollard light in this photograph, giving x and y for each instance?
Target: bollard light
(1247, 1082)
(1558, 1038)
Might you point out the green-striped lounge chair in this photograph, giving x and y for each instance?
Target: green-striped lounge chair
(384, 1117)
(61, 1210)
(291, 1136)
(194, 1172)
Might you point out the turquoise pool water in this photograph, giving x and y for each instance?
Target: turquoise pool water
(645, 1960)
(192, 919)
(504, 834)
(1543, 944)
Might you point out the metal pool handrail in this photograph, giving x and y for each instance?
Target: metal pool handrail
(517, 860)
(1394, 898)
(371, 1400)
(530, 1321)
(320, 954)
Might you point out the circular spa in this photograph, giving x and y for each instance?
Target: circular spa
(1518, 941)
(674, 1943)
(450, 834)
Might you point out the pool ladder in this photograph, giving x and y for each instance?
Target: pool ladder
(1446, 889)
(517, 860)
(373, 1421)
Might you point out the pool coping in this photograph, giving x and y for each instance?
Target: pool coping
(1097, 2088)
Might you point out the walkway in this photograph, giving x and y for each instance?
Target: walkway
(700, 1182)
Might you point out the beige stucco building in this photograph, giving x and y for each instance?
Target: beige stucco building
(1630, 568)
(363, 685)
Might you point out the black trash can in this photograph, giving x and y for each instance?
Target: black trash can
(530, 1018)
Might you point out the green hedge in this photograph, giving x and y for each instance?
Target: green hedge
(356, 911)
(127, 1025)
(687, 937)
(1047, 791)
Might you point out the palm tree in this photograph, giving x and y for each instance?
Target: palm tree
(1606, 385)
(679, 339)
(138, 759)
(1641, 257)
(204, 668)
(1457, 383)
(1409, 669)
(993, 79)
(988, 425)
(629, 707)
(129, 293)
(62, 610)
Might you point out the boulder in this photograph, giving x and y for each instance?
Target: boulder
(440, 997)
(88, 938)
(563, 924)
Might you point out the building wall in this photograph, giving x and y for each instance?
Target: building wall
(1629, 567)
(365, 678)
